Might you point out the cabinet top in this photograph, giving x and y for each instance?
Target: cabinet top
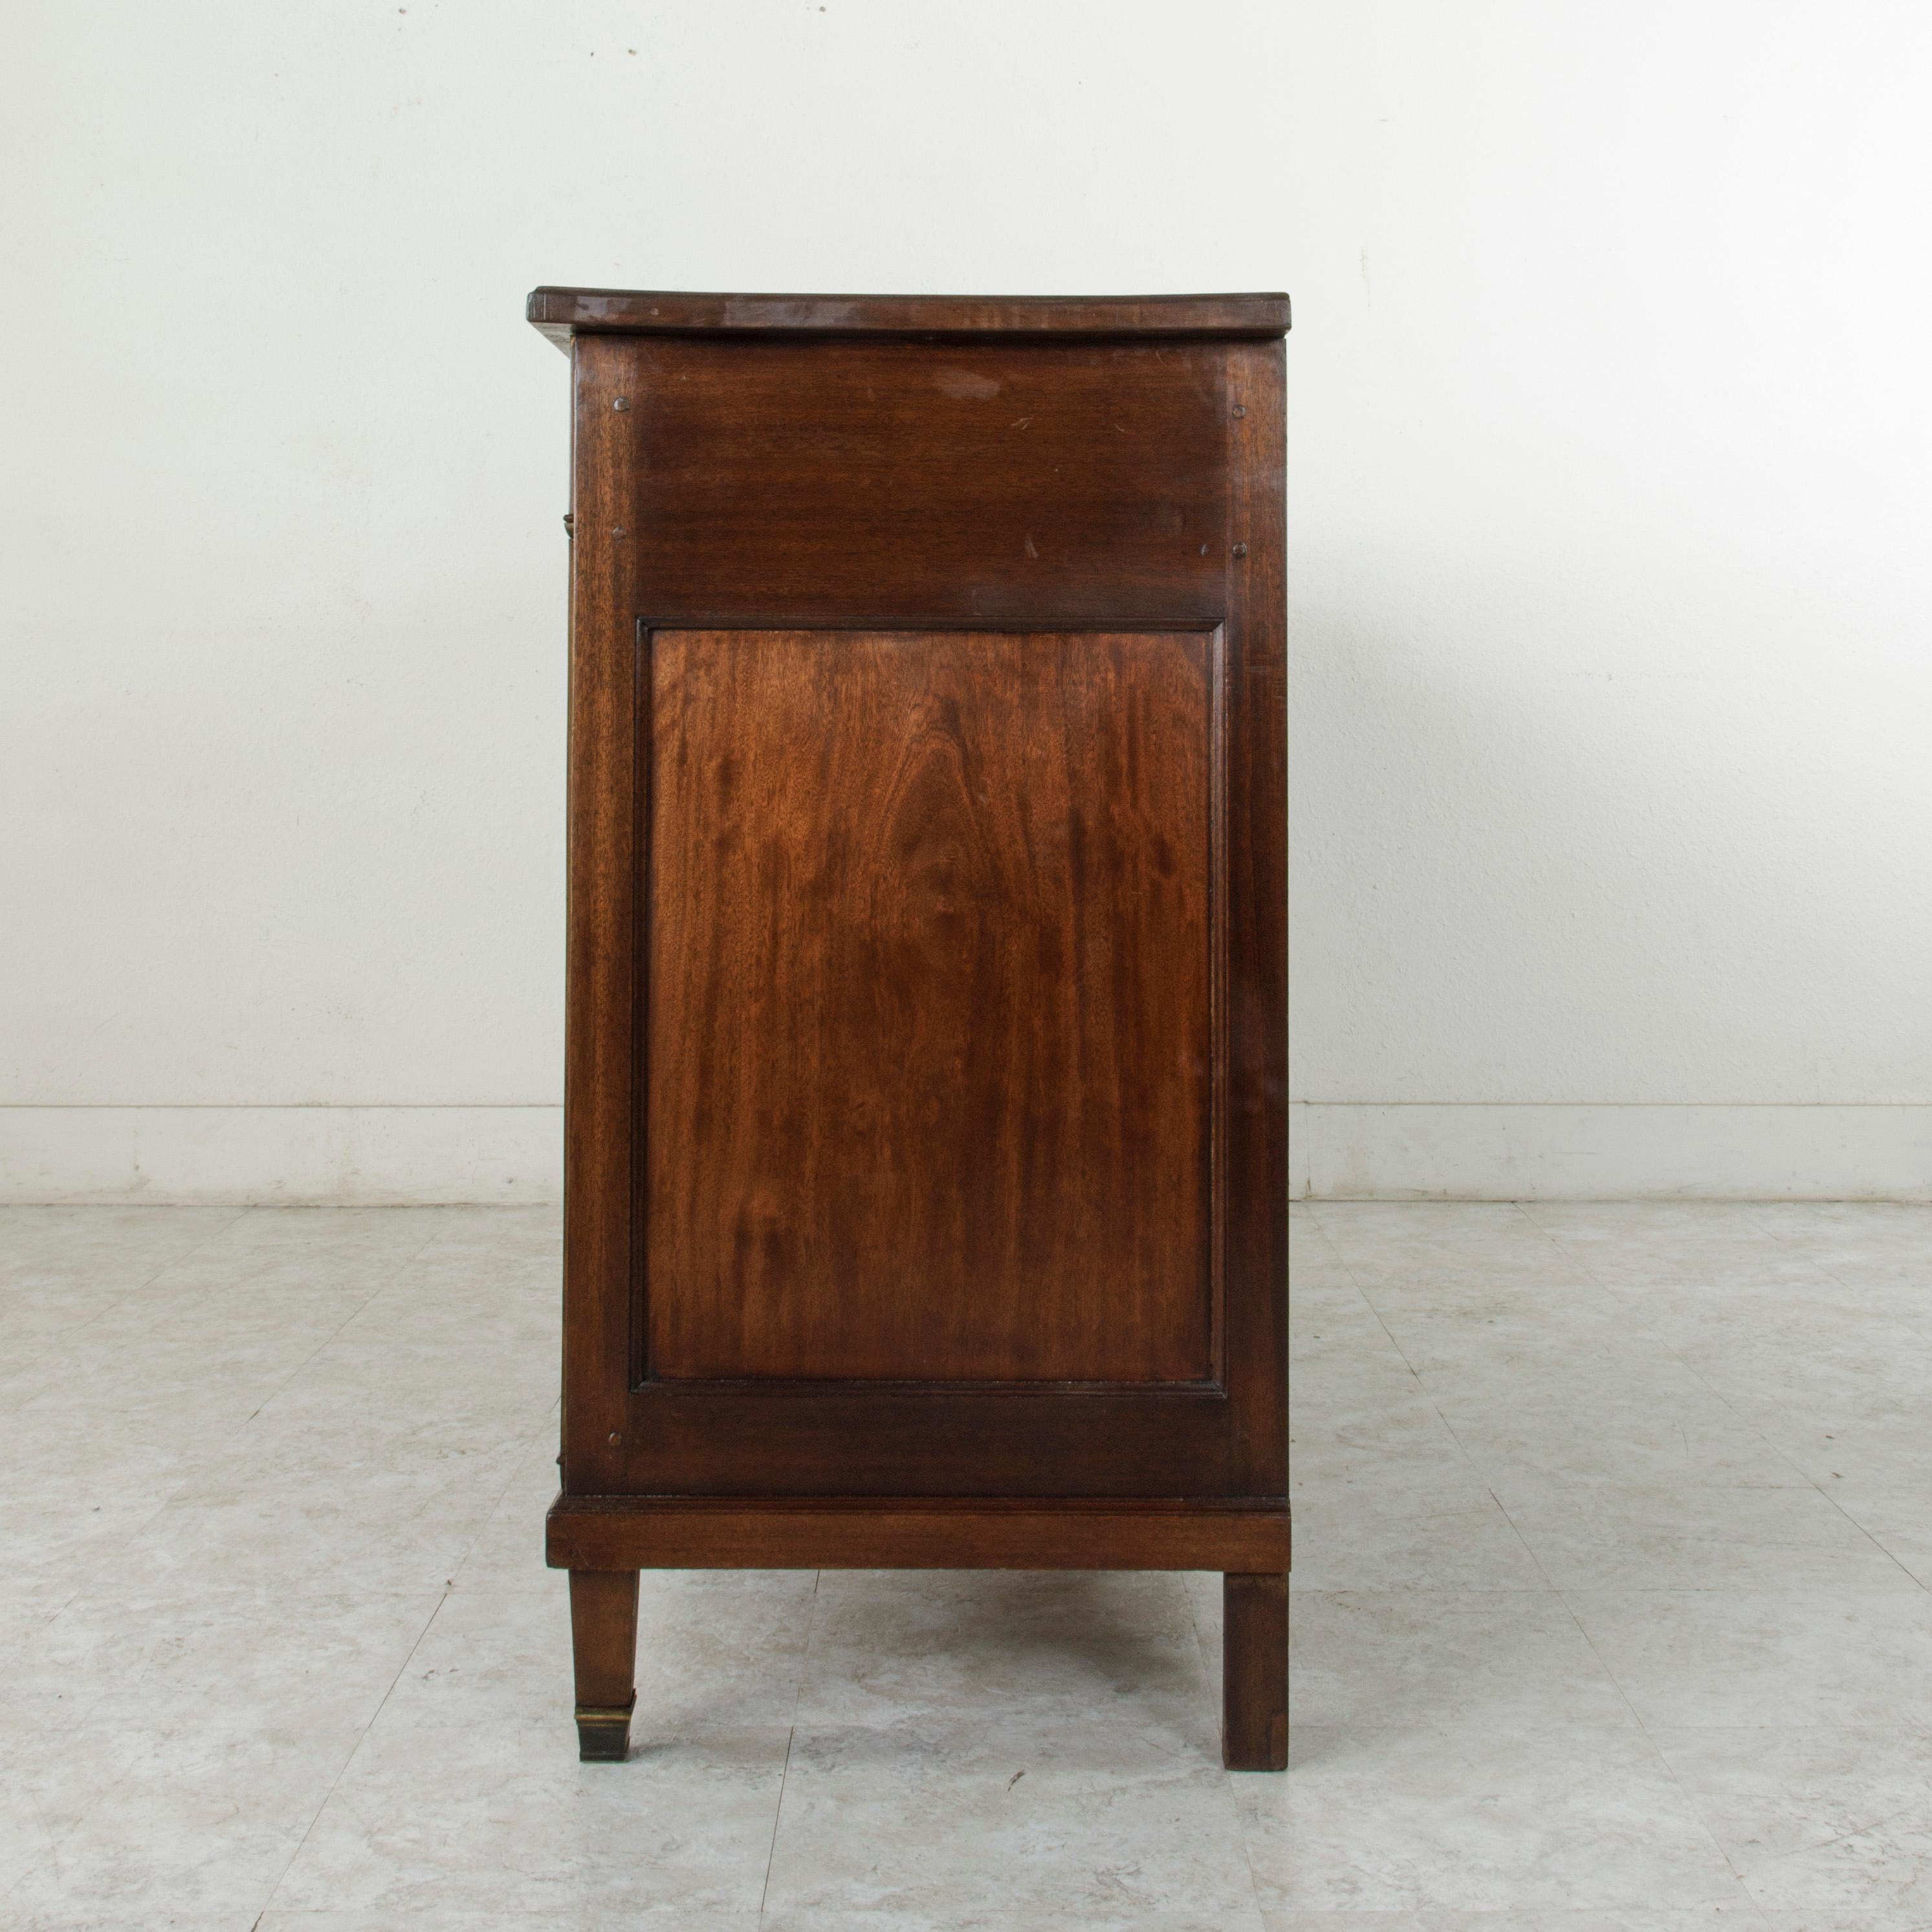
(560, 313)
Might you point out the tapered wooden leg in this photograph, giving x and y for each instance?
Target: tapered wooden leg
(604, 1637)
(1254, 1671)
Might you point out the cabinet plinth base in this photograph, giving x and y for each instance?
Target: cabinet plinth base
(603, 1541)
(609, 1533)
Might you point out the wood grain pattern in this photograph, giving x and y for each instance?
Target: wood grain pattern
(600, 960)
(1256, 603)
(909, 1270)
(929, 1039)
(929, 1533)
(1254, 1669)
(838, 482)
(1021, 1439)
(887, 420)
(559, 312)
(604, 1648)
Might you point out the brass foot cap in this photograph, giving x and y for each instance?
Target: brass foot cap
(604, 1733)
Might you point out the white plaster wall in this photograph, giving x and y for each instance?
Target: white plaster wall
(1612, 605)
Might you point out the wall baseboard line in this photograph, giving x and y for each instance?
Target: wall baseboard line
(308, 1155)
(1485, 1151)
(418, 1154)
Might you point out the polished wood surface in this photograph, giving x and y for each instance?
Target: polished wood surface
(1256, 1115)
(560, 313)
(933, 1533)
(927, 974)
(1254, 1673)
(739, 419)
(930, 1043)
(785, 482)
(604, 1644)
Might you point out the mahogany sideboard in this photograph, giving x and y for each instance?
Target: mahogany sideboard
(925, 1198)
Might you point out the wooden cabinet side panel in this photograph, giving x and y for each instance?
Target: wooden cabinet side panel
(1206, 549)
(929, 1038)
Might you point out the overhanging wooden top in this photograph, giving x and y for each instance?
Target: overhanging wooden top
(560, 314)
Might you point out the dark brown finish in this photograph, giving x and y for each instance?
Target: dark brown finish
(604, 1640)
(859, 1533)
(560, 313)
(1254, 1671)
(1257, 978)
(925, 1144)
(853, 1438)
(930, 1043)
(885, 484)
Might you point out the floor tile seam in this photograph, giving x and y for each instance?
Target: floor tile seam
(141, 1287)
(1375, 1316)
(1510, 1590)
(75, 1592)
(1516, 1528)
(132, 1535)
(393, 1279)
(1592, 1505)
(1578, 1259)
(1916, 1811)
(1230, 1779)
(1824, 1268)
(1314, 1218)
(354, 1750)
(1892, 1593)
(1523, 1208)
(1405, 1595)
(130, 1708)
(1785, 1457)
(32, 1868)
(805, 1653)
(1885, 1318)
(1421, 1387)
(1803, 1593)
(105, 1700)
(1551, 1589)
(1711, 1388)
(1692, 1808)
(1452, 1721)
(22, 1370)
(1610, 1677)
(1900, 1588)
(486, 1518)
(126, 1767)
(1462, 1450)
(188, 1253)
(51, 1858)
(1200, 1635)
(791, 1731)
(1903, 1721)
(778, 1810)
(329, 1340)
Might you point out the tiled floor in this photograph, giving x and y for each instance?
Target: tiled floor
(1614, 1535)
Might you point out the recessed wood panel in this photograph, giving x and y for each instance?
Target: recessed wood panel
(929, 1008)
